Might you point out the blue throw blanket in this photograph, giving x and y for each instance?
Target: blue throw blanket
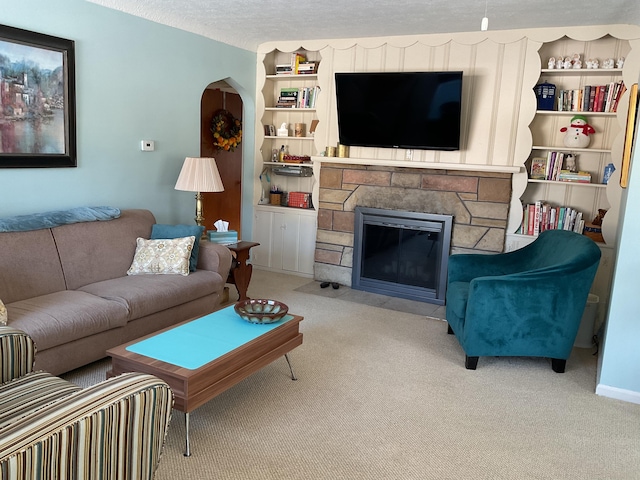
(36, 221)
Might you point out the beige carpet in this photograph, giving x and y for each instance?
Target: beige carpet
(384, 394)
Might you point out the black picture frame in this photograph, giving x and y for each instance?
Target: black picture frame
(37, 100)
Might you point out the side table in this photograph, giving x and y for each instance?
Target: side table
(240, 273)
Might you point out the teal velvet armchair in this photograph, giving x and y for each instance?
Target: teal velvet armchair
(527, 303)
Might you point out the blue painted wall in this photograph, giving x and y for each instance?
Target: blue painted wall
(135, 80)
(621, 354)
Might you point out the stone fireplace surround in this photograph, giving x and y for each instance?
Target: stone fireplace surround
(478, 200)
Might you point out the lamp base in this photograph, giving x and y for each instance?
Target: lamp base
(199, 217)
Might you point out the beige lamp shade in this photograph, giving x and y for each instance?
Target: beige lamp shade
(199, 175)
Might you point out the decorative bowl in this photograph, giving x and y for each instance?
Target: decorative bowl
(261, 310)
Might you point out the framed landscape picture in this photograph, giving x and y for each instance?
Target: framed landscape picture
(37, 100)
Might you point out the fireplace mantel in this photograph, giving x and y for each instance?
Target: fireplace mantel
(411, 164)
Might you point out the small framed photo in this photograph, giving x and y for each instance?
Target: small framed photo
(37, 104)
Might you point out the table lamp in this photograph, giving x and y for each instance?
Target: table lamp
(199, 175)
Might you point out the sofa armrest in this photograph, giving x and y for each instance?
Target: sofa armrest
(214, 257)
(115, 429)
(17, 353)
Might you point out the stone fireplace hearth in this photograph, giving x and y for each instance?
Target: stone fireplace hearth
(478, 200)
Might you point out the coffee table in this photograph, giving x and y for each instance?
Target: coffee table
(202, 357)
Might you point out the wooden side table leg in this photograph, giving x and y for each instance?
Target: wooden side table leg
(242, 274)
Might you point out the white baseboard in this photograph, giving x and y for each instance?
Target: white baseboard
(618, 393)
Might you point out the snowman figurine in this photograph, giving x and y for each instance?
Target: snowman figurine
(577, 134)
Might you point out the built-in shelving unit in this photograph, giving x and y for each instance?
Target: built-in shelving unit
(286, 234)
(546, 126)
(604, 147)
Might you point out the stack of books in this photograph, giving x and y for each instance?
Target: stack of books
(541, 216)
(288, 98)
(577, 177)
(284, 69)
(298, 97)
(307, 68)
(299, 65)
(592, 98)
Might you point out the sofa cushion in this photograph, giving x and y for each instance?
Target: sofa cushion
(144, 295)
(63, 317)
(29, 393)
(29, 265)
(163, 256)
(177, 231)
(96, 251)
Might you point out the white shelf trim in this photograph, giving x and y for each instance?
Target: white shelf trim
(582, 71)
(569, 112)
(425, 165)
(288, 138)
(286, 109)
(567, 149)
(310, 212)
(293, 77)
(569, 184)
(290, 164)
(533, 237)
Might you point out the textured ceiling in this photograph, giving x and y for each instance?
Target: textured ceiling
(248, 23)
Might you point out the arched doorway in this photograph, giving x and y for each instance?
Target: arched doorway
(222, 205)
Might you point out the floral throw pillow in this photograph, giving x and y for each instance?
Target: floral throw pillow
(162, 256)
(3, 314)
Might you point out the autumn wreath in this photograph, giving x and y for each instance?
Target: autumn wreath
(227, 131)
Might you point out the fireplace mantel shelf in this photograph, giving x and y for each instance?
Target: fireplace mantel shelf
(410, 164)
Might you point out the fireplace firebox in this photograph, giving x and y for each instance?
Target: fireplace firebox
(401, 254)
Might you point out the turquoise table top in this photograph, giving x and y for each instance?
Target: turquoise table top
(196, 343)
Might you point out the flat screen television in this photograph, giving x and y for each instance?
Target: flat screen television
(412, 110)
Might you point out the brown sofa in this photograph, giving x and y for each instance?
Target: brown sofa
(67, 287)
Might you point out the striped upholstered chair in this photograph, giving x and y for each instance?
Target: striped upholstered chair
(50, 428)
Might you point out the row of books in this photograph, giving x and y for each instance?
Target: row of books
(541, 216)
(558, 166)
(292, 97)
(592, 98)
(299, 65)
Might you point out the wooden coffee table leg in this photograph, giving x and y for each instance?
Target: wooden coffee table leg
(293, 375)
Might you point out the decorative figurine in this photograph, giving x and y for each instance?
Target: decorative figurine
(552, 63)
(577, 134)
(593, 63)
(620, 62)
(570, 163)
(559, 63)
(567, 63)
(576, 62)
(608, 63)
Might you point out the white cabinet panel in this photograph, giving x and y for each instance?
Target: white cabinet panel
(287, 240)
